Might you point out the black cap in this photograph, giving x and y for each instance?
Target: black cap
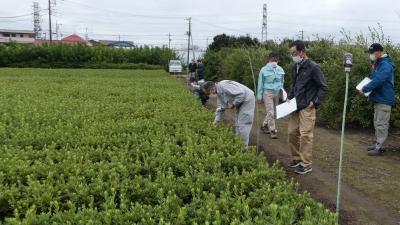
(374, 48)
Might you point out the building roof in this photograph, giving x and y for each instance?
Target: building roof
(17, 31)
(121, 44)
(74, 38)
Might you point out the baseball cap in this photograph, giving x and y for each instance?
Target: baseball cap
(374, 48)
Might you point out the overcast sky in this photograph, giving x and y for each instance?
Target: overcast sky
(149, 21)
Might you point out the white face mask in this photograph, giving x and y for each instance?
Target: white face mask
(372, 57)
(273, 64)
(297, 59)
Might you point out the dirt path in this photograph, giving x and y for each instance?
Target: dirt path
(371, 185)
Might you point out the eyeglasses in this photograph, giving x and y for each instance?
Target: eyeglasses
(294, 53)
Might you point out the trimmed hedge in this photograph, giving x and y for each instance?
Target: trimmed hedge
(131, 147)
(80, 56)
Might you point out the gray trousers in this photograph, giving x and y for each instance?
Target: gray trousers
(381, 123)
(244, 119)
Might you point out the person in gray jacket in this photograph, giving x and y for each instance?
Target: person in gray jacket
(233, 95)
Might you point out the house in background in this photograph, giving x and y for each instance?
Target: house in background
(18, 36)
(72, 39)
(75, 39)
(117, 44)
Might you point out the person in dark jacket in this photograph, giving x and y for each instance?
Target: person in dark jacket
(382, 95)
(197, 88)
(309, 88)
(192, 69)
(200, 70)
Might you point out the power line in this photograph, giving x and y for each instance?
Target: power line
(12, 17)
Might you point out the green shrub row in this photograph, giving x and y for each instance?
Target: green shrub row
(131, 147)
(80, 56)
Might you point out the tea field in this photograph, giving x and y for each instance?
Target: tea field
(130, 147)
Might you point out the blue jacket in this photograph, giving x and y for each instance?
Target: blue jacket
(382, 82)
(270, 79)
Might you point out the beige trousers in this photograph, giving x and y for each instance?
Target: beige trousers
(270, 102)
(301, 135)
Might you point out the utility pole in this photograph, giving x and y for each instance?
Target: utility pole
(169, 40)
(189, 33)
(302, 35)
(86, 34)
(264, 30)
(50, 30)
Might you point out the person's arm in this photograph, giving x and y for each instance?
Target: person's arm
(260, 87)
(291, 93)
(383, 74)
(320, 80)
(283, 78)
(219, 112)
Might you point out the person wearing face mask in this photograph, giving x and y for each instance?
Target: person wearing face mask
(382, 95)
(270, 82)
(309, 87)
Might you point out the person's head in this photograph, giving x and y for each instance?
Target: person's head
(209, 88)
(298, 51)
(273, 59)
(375, 51)
(199, 61)
(192, 80)
(193, 61)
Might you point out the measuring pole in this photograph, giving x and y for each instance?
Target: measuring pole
(348, 63)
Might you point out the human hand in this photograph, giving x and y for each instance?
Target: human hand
(231, 106)
(360, 93)
(215, 123)
(311, 105)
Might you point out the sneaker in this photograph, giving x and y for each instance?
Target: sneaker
(375, 152)
(265, 129)
(303, 170)
(370, 148)
(295, 163)
(274, 135)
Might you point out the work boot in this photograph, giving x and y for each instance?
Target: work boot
(265, 129)
(375, 152)
(274, 134)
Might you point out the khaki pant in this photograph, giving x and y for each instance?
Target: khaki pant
(381, 123)
(270, 102)
(301, 135)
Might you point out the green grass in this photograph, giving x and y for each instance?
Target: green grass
(130, 147)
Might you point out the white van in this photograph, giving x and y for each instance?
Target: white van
(175, 67)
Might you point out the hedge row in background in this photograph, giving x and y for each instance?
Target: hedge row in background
(233, 63)
(103, 147)
(80, 56)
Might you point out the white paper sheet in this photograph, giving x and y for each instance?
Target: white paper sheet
(284, 94)
(362, 84)
(286, 108)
